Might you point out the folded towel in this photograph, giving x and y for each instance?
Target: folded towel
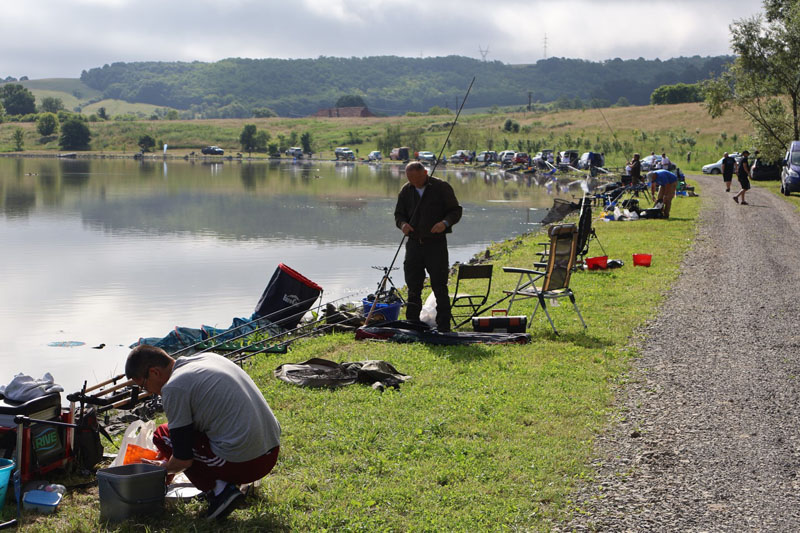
(24, 388)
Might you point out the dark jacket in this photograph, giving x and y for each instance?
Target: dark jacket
(438, 203)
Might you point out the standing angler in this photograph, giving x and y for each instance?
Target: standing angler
(427, 209)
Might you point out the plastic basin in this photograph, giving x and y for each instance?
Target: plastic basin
(390, 312)
(6, 467)
(642, 260)
(594, 263)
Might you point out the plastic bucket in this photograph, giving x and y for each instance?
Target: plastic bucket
(389, 311)
(642, 260)
(6, 467)
(130, 490)
(593, 263)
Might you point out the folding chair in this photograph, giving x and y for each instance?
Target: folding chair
(585, 234)
(471, 302)
(554, 279)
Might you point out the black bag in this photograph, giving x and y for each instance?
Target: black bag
(88, 448)
(287, 297)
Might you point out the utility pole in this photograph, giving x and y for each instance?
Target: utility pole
(529, 100)
(483, 52)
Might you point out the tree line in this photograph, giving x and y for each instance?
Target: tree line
(390, 85)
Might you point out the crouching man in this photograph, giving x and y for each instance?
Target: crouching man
(220, 431)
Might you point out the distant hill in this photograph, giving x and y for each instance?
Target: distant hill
(390, 85)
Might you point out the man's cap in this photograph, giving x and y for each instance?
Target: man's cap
(745, 152)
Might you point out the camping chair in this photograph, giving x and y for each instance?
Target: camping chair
(585, 234)
(555, 277)
(467, 305)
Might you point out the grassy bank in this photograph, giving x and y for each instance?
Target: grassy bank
(483, 438)
(617, 132)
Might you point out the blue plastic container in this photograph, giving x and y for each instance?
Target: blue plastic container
(6, 467)
(389, 311)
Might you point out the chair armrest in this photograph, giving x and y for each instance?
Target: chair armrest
(515, 270)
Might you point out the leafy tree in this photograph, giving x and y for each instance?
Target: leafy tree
(764, 79)
(622, 102)
(75, 135)
(172, 114)
(247, 139)
(102, 113)
(677, 94)
(51, 104)
(264, 112)
(438, 110)
(46, 124)
(305, 142)
(350, 100)
(262, 139)
(2, 113)
(146, 143)
(19, 140)
(17, 99)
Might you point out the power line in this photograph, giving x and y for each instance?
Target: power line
(483, 52)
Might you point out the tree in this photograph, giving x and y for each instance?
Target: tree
(677, 94)
(75, 135)
(146, 143)
(262, 139)
(350, 100)
(102, 113)
(51, 104)
(305, 142)
(622, 102)
(46, 124)
(17, 99)
(764, 78)
(19, 140)
(248, 138)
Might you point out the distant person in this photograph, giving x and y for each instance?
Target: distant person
(667, 183)
(426, 210)
(219, 431)
(728, 165)
(743, 174)
(689, 156)
(665, 162)
(636, 169)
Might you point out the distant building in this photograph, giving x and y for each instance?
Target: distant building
(342, 112)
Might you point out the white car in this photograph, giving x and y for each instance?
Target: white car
(716, 168)
(295, 151)
(375, 155)
(426, 156)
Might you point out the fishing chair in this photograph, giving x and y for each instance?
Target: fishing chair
(467, 305)
(554, 278)
(585, 234)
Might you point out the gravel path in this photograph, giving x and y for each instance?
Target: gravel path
(708, 436)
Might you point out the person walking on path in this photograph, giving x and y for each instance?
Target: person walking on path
(728, 164)
(706, 431)
(743, 174)
(426, 210)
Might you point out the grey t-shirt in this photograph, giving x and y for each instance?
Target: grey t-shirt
(219, 398)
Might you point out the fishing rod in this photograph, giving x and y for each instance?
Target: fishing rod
(382, 283)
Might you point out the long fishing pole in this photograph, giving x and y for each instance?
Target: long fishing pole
(382, 283)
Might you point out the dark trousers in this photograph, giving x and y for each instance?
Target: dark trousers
(431, 256)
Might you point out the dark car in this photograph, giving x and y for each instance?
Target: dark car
(591, 159)
(521, 158)
(790, 174)
(765, 170)
(212, 150)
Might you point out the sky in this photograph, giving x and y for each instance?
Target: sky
(61, 38)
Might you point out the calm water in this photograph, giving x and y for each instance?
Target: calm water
(107, 251)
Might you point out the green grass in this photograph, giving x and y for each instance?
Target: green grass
(483, 438)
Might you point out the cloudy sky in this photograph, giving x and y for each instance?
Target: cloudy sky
(60, 38)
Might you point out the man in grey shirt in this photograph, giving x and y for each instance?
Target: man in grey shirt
(220, 430)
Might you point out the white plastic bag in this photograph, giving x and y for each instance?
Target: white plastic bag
(138, 433)
(428, 313)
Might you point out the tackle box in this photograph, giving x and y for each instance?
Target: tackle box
(500, 324)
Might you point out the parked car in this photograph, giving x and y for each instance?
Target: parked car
(521, 158)
(426, 156)
(569, 157)
(591, 159)
(340, 151)
(375, 155)
(653, 162)
(716, 168)
(765, 170)
(347, 155)
(461, 156)
(399, 154)
(790, 174)
(487, 156)
(295, 151)
(506, 157)
(212, 150)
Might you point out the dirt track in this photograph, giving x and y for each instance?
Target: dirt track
(709, 432)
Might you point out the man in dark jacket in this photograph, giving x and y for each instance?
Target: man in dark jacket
(426, 211)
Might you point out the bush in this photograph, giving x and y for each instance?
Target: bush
(75, 135)
(46, 124)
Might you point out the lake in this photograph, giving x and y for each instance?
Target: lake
(104, 251)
